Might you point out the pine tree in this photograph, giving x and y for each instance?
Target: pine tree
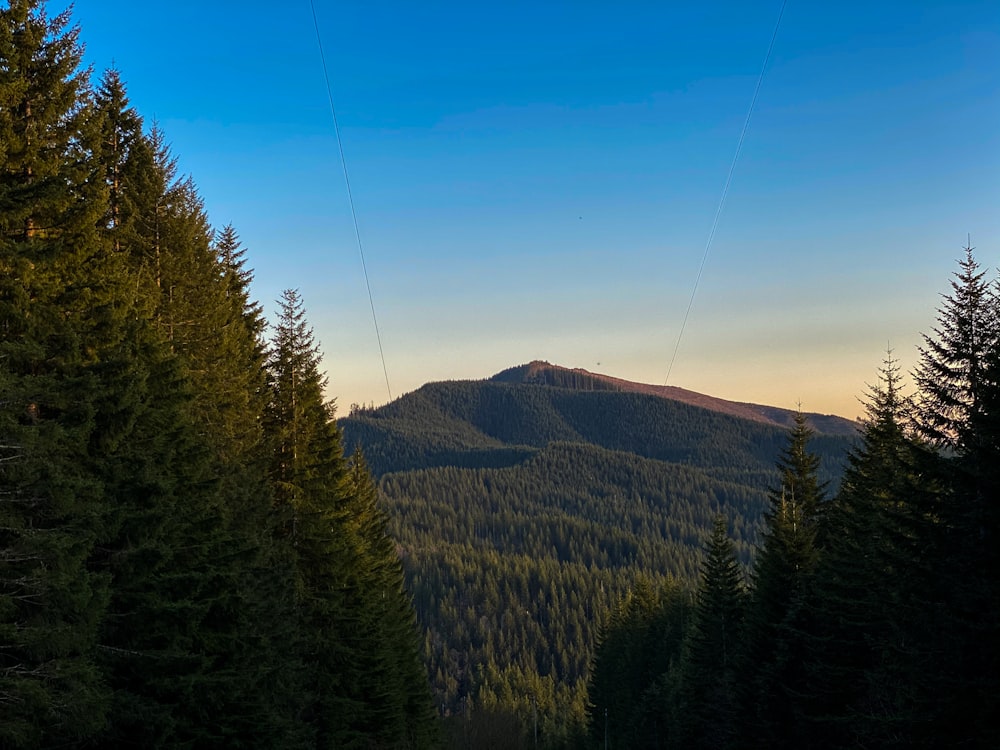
(197, 290)
(196, 643)
(871, 643)
(61, 319)
(771, 672)
(959, 411)
(709, 709)
(311, 484)
(954, 362)
(401, 713)
(636, 667)
(232, 410)
(120, 135)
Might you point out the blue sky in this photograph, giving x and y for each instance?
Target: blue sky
(538, 180)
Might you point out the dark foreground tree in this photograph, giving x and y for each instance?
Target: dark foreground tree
(869, 645)
(771, 671)
(309, 476)
(636, 670)
(355, 620)
(394, 679)
(959, 412)
(708, 708)
(62, 329)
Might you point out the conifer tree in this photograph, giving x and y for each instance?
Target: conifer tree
(233, 359)
(364, 679)
(959, 411)
(772, 672)
(709, 708)
(311, 484)
(636, 669)
(870, 642)
(195, 288)
(227, 650)
(61, 315)
(952, 374)
(394, 680)
(120, 134)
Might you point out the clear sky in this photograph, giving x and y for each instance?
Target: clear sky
(537, 180)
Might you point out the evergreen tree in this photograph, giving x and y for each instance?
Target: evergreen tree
(366, 683)
(870, 646)
(709, 702)
(772, 672)
(959, 410)
(394, 680)
(636, 668)
(955, 361)
(240, 376)
(208, 668)
(196, 289)
(61, 322)
(233, 358)
(311, 484)
(120, 134)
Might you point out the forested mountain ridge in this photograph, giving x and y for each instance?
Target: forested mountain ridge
(544, 373)
(527, 504)
(503, 420)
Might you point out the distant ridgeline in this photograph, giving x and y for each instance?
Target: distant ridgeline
(526, 504)
(505, 420)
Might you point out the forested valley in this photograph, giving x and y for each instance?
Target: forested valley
(528, 504)
(596, 567)
(195, 553)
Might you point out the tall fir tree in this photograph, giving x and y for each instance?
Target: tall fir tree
(868, 653)
(959, 412)
(772, 673)
(366, 684)
(709, 699)
(311, 484)
(394, 682)
(205, 670)
(61, 326)
(238, 354)
(120, 134)
(146, 597)
(196, 293)
(234, 357)
(636, 669)
(955, 360)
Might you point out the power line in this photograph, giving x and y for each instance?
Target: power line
(350, 196)
(725, 192)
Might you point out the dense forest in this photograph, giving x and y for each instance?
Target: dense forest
(869, 617)
(195, 553)
(187, 557)
(526, 505)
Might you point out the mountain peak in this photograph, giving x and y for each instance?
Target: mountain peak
(540, 372)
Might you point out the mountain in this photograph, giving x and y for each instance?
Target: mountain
(525, 504)
(506, 419)
(543, 373)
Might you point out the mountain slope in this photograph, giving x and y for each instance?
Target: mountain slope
(525, 504)
(543, 373)
(504, 420)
